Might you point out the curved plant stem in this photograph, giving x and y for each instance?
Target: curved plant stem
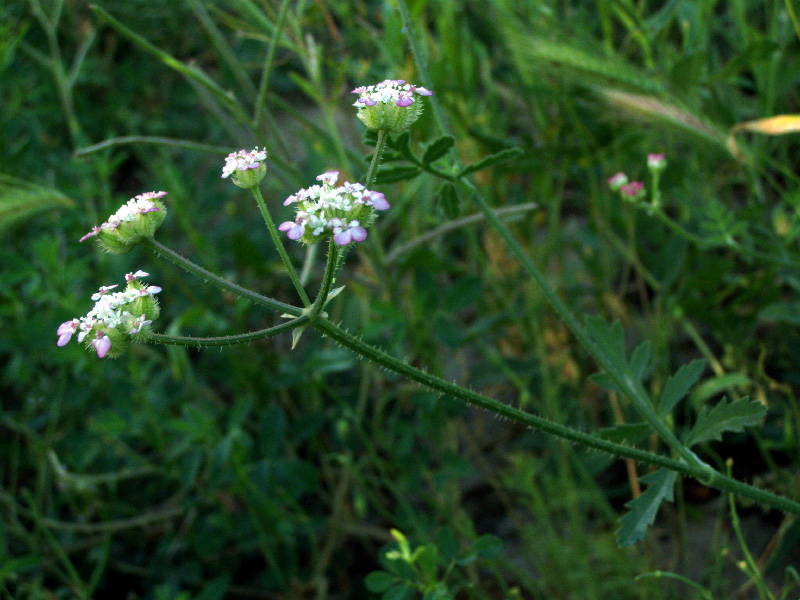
(189, 266)
(273, 232)
(326, 327)
(634, 390)
(226, 340)
(716, 479)
(327, 280)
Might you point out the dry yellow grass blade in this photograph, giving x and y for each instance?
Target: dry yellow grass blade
(777, 125)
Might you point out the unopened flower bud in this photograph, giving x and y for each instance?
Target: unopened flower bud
(616, 181)
(246, 169)
(392, 105)
(135, 221)
(656, 162)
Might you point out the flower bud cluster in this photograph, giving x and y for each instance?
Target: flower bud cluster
(343, 212)
(136, 220)
(247, 168)
(389, 105)
(116, 319)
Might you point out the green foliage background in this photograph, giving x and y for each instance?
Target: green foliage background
(260, 472)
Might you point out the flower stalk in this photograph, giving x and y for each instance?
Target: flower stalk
(273, 232)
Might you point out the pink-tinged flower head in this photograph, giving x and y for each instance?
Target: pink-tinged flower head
(342, 210)
(632, 190)
(656, 162)
(133, 222)
(390, 105)
(116, 319)
(616, 181)
(246, 168)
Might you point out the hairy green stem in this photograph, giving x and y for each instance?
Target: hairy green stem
(631, 388)
(715, 479)
(380, 357)
(376, 158)
(221, 283)
(327, 280)
(273, 232)
(226, 340)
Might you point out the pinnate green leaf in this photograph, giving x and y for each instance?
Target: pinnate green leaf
(400, 145)
(396, 174)
(610, 338)
(437, 149)
(492, 160)
(678, 385)
(643, 509)
(712, 423)
(630, 433)
(641, 360)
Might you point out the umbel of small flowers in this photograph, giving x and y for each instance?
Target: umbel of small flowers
(116, 319)
(631, 191)
(136, 220)
(246, 168)
(391, 105)
(343, 211)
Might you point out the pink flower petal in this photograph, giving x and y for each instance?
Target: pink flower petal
(343, 238)
(359, 234)
(102, 344)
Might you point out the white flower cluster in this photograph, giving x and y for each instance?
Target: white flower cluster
(344, 211)
(115, 316)
(247, 168)
(138, 205)
(390, 90)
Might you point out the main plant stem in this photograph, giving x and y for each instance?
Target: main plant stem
(328, 328)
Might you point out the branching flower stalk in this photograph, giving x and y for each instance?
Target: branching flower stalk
(246, 170)
(342, 213)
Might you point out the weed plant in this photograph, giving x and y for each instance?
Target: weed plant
(608, 158)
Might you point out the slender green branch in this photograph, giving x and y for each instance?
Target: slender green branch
(376, 158)
(147, 139)
(675, 227)
(189, 266)
(715, 479)
(273, 232)
(270, 58)
(226, 340)
(448, 226)
(327, 280)
(632, 389)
